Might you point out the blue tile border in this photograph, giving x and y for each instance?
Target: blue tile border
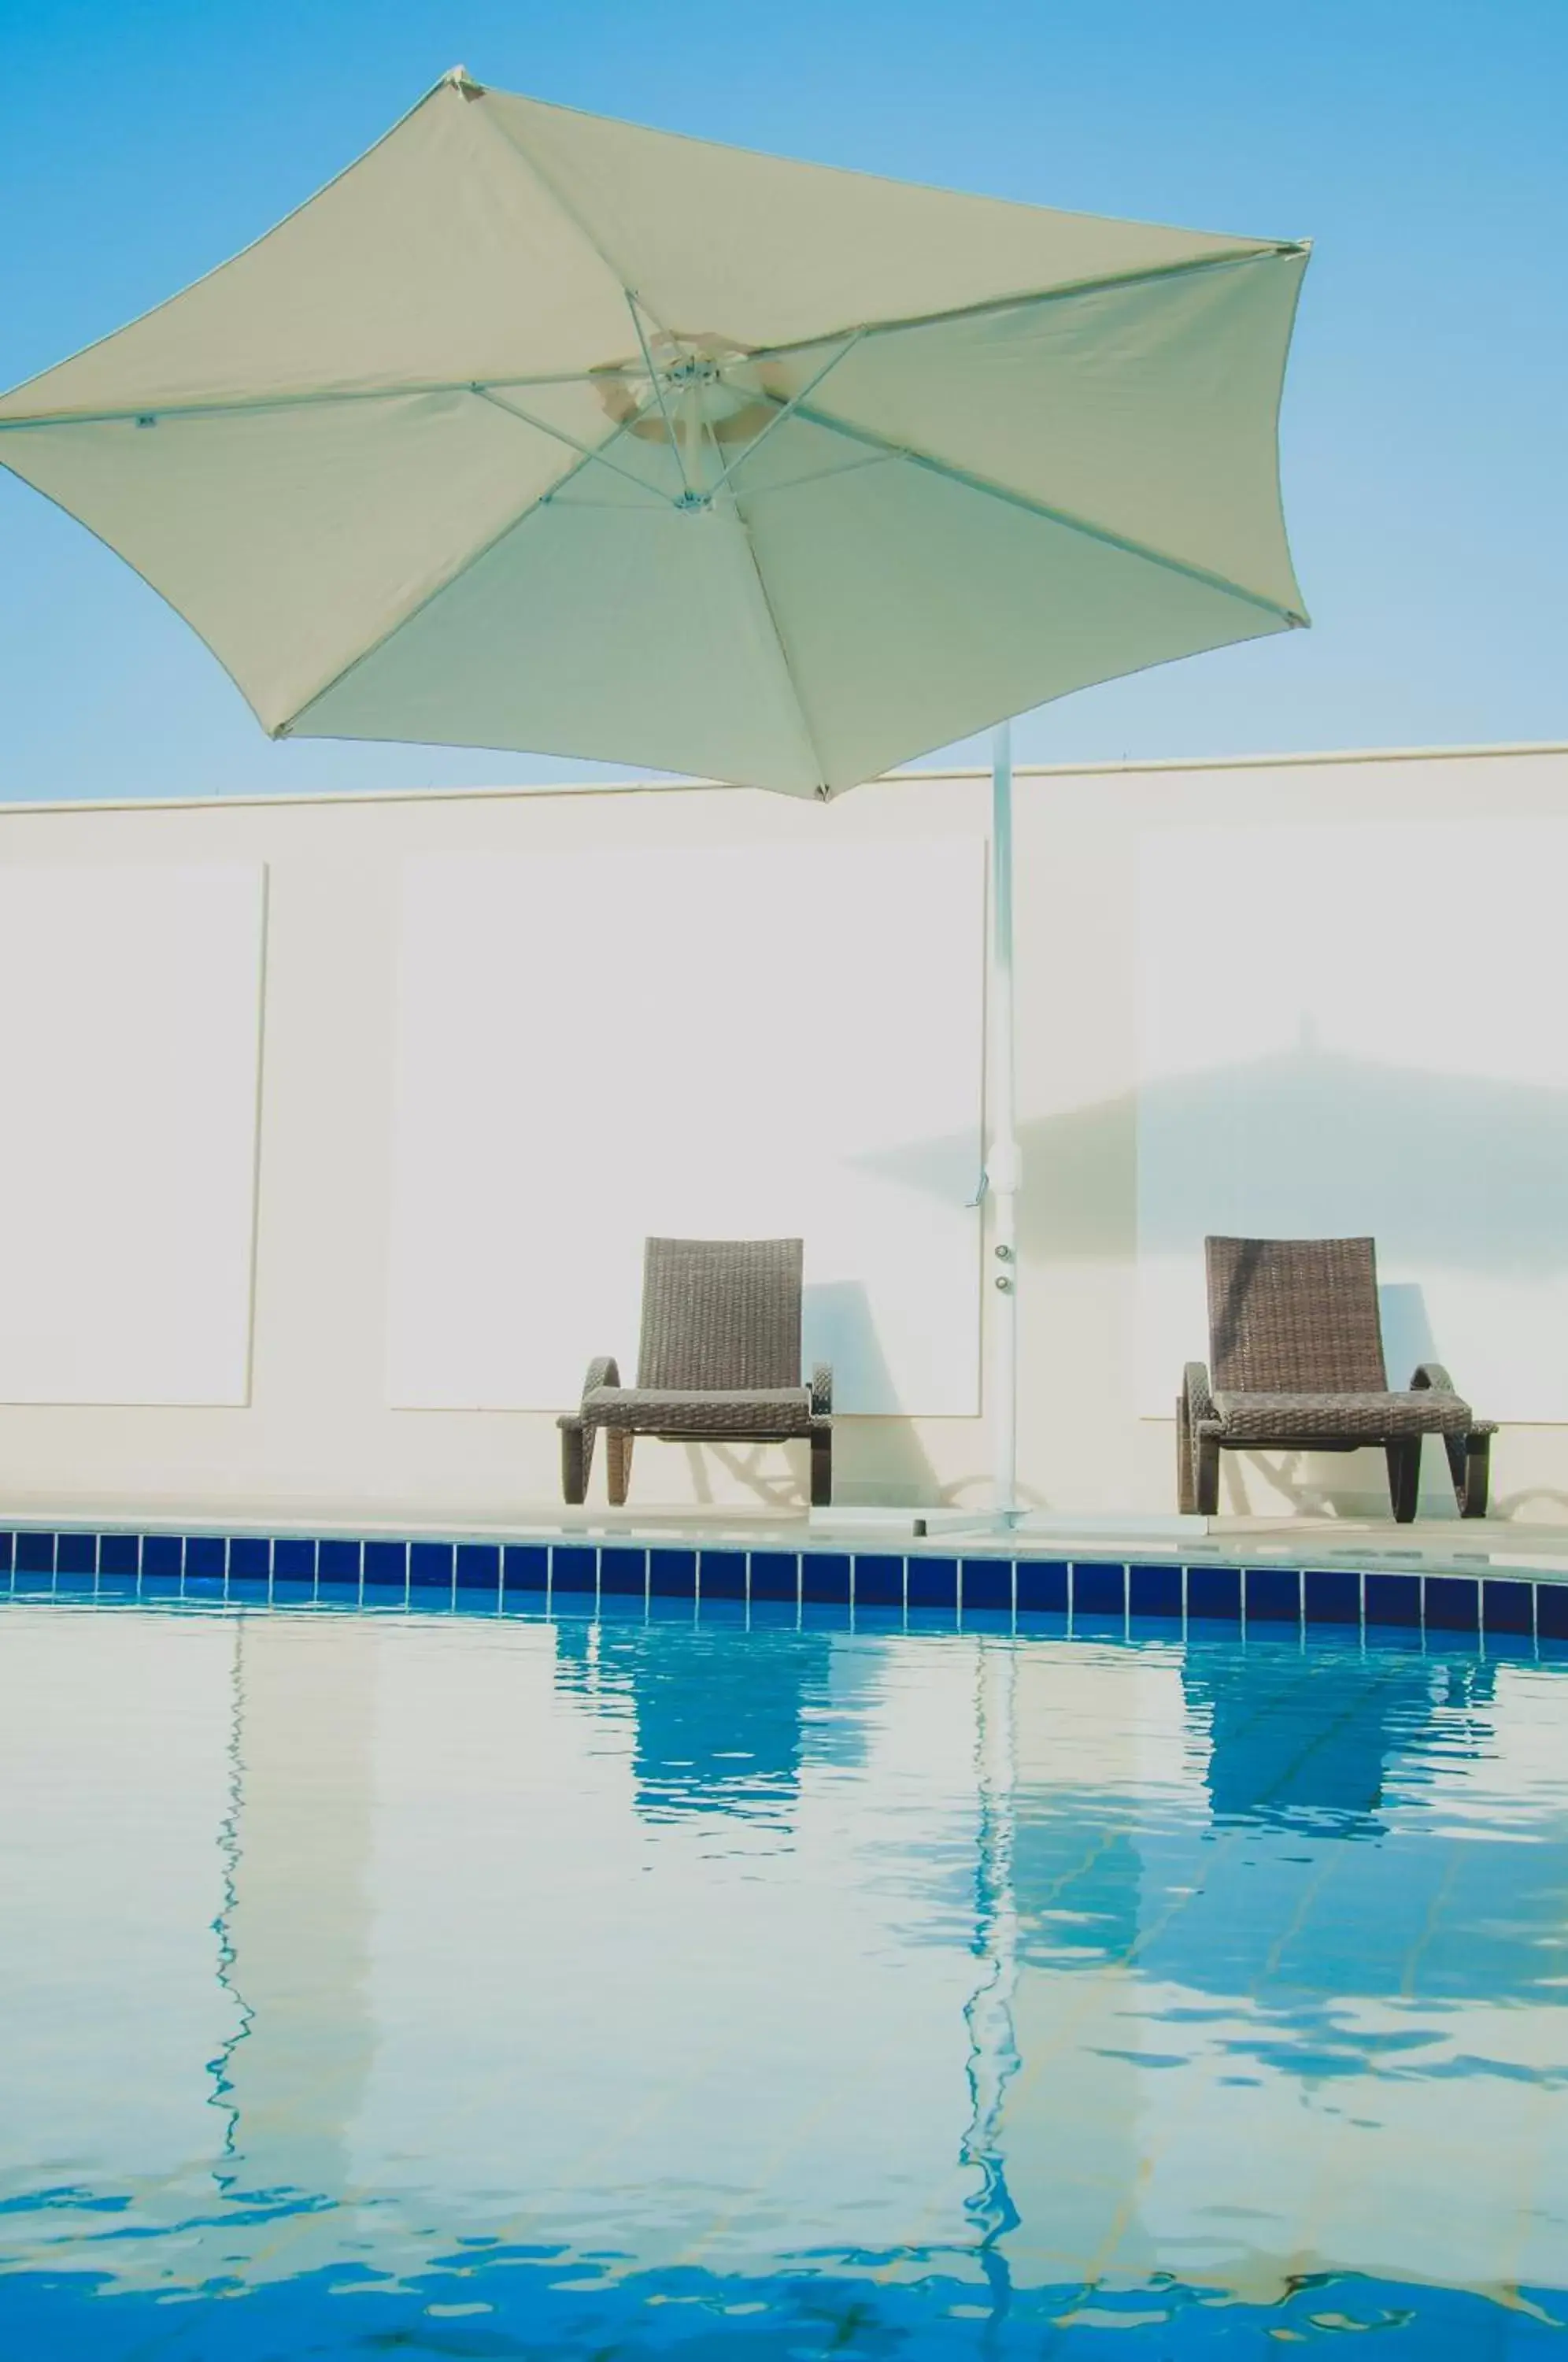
(721, 1574)
(774, 1576)
(1214, 1594)
(1041, 1586)
(991, 1591)
(878, 1580)
(825, 1578)
(623, 1572)
(985, 1583)
(1156, 1591)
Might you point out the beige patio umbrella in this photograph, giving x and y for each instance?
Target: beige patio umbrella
(539, 430)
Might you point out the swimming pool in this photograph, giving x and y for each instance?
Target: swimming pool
(656, 1982)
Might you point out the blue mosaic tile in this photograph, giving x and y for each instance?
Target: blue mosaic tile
(721, 1574)
(933, 1583)
(77, 1580)
(1452, 1603)
(202, 1586)
(672, 1574)
(774, 1576)
(7, 1552)
(293, 1559)
(161, 1555)
(250, 1557)
(337, 1562)
(1551, 1611)
(1331, 1594)
(1099, 1591)
(330, 1593)
(985, 1583)
(35, 1553)
(1274, 1594)
(624, 1573)
(1154, 1590)
(1041, 1586)
(76, 1554)
(824, 1578)
(525, 1566)
(117, 1585)
(879, 1580)
(205, 1554)
(826, 1615)
(159, 1586)
(386, 1566)
(1393, 1599)
(291, 1591)
(242, 1588)
(1214, 1592)
(1507, 1607)
(574, 1568)
(479, 1566)
(430, 1566)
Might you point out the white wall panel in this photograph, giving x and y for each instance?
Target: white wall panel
(129, 1040)
(709, 1043)
(1362, 1028)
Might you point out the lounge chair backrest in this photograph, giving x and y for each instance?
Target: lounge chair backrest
(721, 1312)
(1295, 1316)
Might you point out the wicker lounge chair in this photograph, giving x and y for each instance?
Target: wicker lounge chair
(719, 1362)
(1297, 1349)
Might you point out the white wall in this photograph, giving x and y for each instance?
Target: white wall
(727, 1042)
(1375, 1044)
(1403, 908)
(130, 1006)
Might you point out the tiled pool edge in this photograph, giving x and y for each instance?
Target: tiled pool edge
(1090, 1593)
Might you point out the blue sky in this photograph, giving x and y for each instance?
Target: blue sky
(1425, 462)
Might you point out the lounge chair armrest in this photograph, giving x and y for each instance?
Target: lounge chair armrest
(1432, 1374)
(605, 1372)
(822, 1390)
(1195, 1389)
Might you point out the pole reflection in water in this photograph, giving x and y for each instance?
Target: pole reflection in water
(993, 2048)
(499, 1987)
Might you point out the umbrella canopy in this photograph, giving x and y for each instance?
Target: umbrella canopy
(539, 430)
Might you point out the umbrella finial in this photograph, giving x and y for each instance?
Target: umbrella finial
(463, 81)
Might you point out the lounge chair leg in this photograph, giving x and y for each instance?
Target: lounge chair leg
(1404, 1478)
(1477, 1451)
(577, 1459)
(1187, 1500)
(1205, 1476)
(618, 1465)
(821, 1468)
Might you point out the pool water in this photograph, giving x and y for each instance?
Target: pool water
(479, 1986)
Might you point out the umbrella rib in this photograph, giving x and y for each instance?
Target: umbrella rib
(953, 474)
(797, 697)
(658, 383)
(595, 455)
(260, 404)
(454, 573)
(786, 410)
(1149, 276)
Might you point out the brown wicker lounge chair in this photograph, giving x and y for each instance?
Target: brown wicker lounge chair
(1297, 1349)
(719, 1362)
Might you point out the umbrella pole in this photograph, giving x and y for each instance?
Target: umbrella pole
(1002, 1162)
